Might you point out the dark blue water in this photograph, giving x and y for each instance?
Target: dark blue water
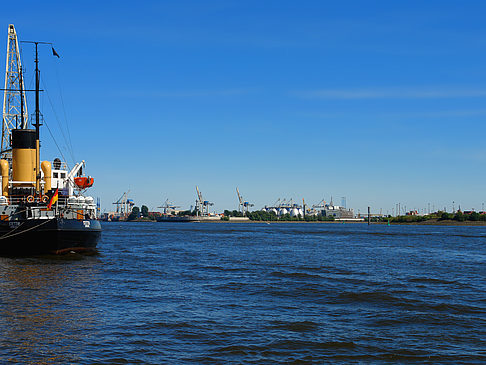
(251, 293)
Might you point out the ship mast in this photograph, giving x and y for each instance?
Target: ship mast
(37, 123)
(14, 102)
(37, 114)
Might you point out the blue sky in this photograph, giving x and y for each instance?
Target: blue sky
(383, 102)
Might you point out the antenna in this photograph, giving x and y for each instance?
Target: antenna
(14, 102)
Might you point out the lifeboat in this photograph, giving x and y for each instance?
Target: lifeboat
(83, 182)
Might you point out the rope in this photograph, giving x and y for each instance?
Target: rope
(8, 235)
(64, 111)
(58, 121)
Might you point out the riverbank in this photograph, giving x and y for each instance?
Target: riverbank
(431, 222)
(437, 222)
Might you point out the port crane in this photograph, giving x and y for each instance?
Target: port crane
(124, 205)
(243, 206)
(304, 207)
(319, 206)
(169, 207)
(202, 206)
(276, 204)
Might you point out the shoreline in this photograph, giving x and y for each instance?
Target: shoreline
(431, 222)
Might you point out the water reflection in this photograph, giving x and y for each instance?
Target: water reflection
(46, 306)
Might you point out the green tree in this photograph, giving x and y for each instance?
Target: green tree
(474, 216)
(145, 211)
(134, 214)
(459, 216)
(445, 216)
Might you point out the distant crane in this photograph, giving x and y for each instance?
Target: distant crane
(169, 207)
(276, 204)
(321, 205)
(243, 205)
(124, 205)
(202, 206)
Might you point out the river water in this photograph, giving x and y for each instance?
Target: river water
(251, 293)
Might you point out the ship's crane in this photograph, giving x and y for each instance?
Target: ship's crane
(168, 207)
(243, 205)
(202, 206)
(14, 102)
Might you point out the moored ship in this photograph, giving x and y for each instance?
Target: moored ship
(43, 208)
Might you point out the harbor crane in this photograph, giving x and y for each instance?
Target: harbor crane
(168, 207)
(243, 206)
(124, 205)
(320, 205)
(202, 206)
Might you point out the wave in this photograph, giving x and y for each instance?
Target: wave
(293, 275)
(296, 326)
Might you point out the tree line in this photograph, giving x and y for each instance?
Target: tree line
(138, 213)
(439, 216)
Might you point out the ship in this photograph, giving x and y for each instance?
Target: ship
(43, 206)
(177, 218)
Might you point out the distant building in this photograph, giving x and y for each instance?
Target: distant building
(337, 212)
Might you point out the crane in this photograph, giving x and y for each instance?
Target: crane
(321, 204)
(15, 113)
(202, 206)
(276, 204)
(169, 207)
(123, 204)
(243, 205)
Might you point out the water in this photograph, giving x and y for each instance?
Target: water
(251, 293)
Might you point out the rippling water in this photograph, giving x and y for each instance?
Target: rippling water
(251, 293)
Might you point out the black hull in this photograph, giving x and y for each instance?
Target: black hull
(54, 236)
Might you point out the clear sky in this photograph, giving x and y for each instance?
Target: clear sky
(383, 102)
